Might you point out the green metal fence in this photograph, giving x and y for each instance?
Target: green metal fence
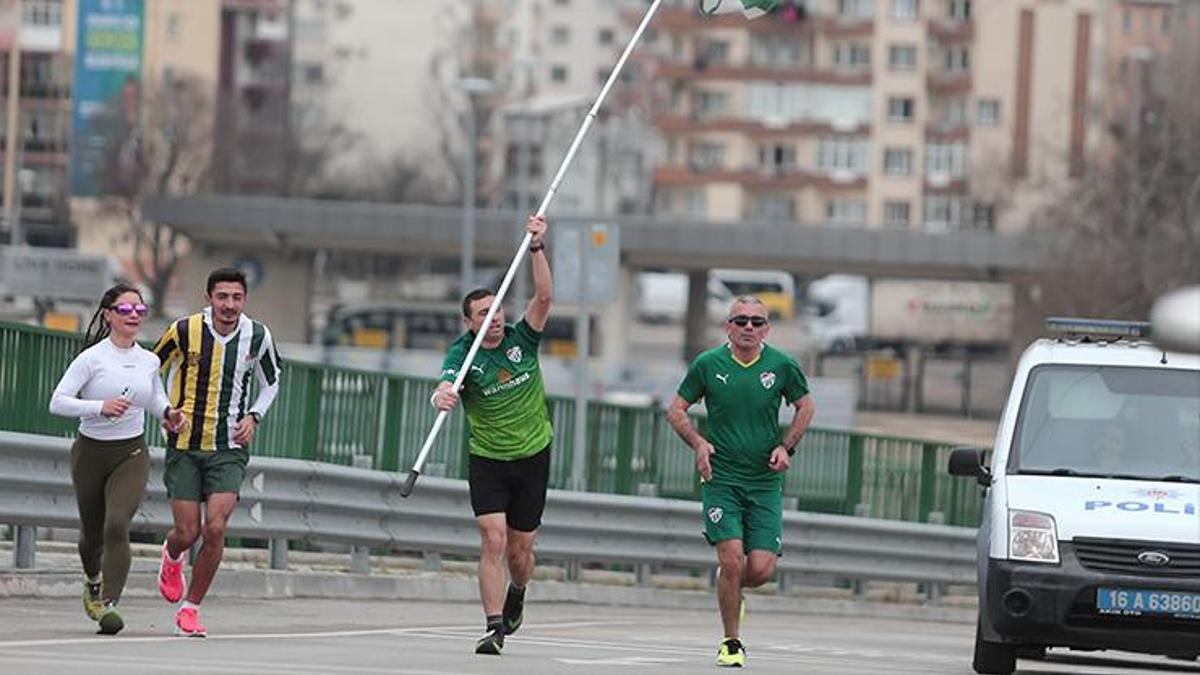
(346, 416)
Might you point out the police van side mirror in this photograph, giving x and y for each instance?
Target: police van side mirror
(969, 462)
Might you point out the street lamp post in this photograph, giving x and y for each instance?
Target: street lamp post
(471, 86)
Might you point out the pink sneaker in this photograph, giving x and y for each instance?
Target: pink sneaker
(187, 623)
(170, 577)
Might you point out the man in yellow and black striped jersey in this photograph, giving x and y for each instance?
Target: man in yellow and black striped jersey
(209, 358)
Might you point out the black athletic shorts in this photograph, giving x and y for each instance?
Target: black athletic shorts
(516, 488)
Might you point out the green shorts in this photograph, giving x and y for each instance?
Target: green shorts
(192, 475)
(752, 514)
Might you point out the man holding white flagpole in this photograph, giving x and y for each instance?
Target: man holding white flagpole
(509, 471)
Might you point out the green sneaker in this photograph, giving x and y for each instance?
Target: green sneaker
(91, 600)
(731, 653)
(491, 642)
(111, 622)
(514, 610)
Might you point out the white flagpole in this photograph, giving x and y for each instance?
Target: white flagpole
(413, 474)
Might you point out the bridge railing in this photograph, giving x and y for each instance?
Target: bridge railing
(377, 420)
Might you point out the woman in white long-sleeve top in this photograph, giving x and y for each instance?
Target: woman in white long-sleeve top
(110, 386)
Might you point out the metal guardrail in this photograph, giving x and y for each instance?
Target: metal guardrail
(297, 499)
(357, 417)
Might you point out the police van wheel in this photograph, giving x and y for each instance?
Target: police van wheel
(993, 658)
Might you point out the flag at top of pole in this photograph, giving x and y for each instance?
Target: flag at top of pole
(751, 9)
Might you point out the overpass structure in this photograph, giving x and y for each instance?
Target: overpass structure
(283, 234)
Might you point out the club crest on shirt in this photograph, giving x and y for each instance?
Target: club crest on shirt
(767, 379)
(193, 359)
(514, 354)
(715, 513)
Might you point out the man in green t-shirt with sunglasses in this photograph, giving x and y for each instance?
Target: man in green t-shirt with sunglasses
(743, 458)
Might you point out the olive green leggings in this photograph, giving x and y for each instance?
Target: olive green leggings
(110, 480)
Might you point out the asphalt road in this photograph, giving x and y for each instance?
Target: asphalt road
(307, 637)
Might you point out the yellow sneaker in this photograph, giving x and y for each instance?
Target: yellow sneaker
(91, 600)
(731, 653)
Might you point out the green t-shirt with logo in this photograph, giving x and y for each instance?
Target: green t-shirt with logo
(743, 409)
(503, 394)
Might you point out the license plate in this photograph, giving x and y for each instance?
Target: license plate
(1143, 602)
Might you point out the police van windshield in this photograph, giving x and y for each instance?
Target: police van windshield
(1113, 422)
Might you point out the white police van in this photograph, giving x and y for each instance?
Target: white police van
(1090, 537)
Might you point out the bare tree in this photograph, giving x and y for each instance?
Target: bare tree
(166, 151)
(1129, 229)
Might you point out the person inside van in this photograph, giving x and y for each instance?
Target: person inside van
(1111, 448)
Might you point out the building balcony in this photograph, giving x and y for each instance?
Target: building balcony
(44, 91)
(947, 131)
(256, 94)
(684, 18)
(944, 184)
(951, 32)
(948, 84)
(686, 124)
(839, 27)
(266, 6)
(704, 71)
(755, 178)
(259, 49)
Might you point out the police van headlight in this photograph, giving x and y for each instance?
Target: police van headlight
(1033, 537)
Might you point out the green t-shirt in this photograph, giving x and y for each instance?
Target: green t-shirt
(743, 409)
(503, 394)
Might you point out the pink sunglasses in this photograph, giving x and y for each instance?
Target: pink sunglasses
(126, 308)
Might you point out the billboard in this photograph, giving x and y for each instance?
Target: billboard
(108, 69)
(941, 311)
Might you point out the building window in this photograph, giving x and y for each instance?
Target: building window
(41, 13)
(777, 157)
(851, 56)
(314, 73)
(895, 214)
(1126, 22)
(703, 156)
(842, 154)
(695, 203)
(989, 112)
(1166, 23)
(846, 211)
(605, 36)
(942, 213)
(558, 73)
(707, 104)
(715, 52)
(856, 9)
(958, 10)
(950, 113)
(560, 35)
(173, 24)
(778, 52)
(775, 207)
(901, 109)
(905, 10)
(897, 161)
(946, 159)
(983, 216)
(956, 59)
(902, 57)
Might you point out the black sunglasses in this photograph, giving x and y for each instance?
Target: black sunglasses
(741, 320)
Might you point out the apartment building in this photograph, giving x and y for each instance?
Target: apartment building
(884, 113)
